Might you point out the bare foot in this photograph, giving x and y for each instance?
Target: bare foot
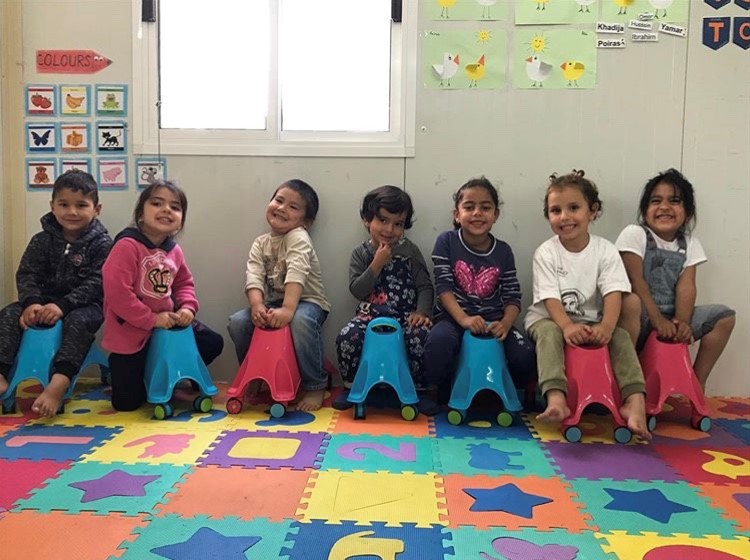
(312, 400)
(48, 403)
(634, 413)
(557, 407)
(3, 384)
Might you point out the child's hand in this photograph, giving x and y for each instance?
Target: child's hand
(382, 256)
(29, 316)
(49, 314)
(418, 319)
(683, 331)
(475, 324)
(499, 329)
(259, 316)
(665, 328)
(280, 317)
(577, 334)
(600, 334)
(184, 317)
(165, 320)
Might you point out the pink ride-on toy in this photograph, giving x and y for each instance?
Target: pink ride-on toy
(384, 361)
(668, 370)
(591, 380)
(34, 361)
(482, 365)
(271, 359)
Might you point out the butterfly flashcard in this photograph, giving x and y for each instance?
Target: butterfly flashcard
(41, 139)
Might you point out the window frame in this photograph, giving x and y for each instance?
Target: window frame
(397, 142)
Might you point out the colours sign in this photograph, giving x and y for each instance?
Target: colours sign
(70, 61)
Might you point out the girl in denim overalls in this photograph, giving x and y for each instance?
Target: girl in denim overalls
(389, 277)
(660, 257)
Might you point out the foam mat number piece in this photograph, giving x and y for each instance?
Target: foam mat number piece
(732, 500)
(385, 453)
(56, 443)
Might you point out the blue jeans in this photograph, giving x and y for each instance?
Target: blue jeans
(307, 334)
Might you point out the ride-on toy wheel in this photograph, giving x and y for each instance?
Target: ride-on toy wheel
(234, 405)
(163, 411)
(623, 434)
(573, 434)
(504, 419)
(359, 411)
(277, 410)
(455, 417)
(702, 423)
(409, 412)
(202, 404)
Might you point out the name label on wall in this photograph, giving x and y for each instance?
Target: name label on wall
(604, 27)
(645, 37)
(672, 29)
(618, 43)
(642, 25)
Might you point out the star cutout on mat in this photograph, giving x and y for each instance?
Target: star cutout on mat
(208, 544)
(508, 498)
(649, 503)
(114, 483)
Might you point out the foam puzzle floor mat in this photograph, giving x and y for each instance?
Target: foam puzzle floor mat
(94, 484)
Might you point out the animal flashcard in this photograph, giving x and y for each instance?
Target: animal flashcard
(41, 100)
(554, 59)
(75, 100)
(111, 137)
(149, 170)
(41, 137)
(463, 10)
(82, 164)
(464, 59)
(75, 137)
(113, 173)
(112, 100)
(41, 173)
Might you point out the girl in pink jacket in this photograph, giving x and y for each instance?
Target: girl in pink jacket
(147, 284)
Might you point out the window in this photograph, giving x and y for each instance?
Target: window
(275, 77)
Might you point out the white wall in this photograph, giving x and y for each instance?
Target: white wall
(647, 113)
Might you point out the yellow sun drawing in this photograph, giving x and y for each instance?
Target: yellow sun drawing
(484, 36)
(537, 44)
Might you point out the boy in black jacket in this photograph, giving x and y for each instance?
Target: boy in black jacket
(60, 278)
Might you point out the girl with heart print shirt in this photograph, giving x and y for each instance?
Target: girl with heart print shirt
(477, 290)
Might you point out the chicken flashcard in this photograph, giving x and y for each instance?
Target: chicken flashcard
(671, 11)
(40, 173)
(110, 136)
(547, 58)
(75, 137)
(544, 12)
(69, 164)
(41, 137)
(148, 170)
(461, 10)
(464, 59)
(112, 173)
(75, 101)
(111, 100)
(41, 100)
